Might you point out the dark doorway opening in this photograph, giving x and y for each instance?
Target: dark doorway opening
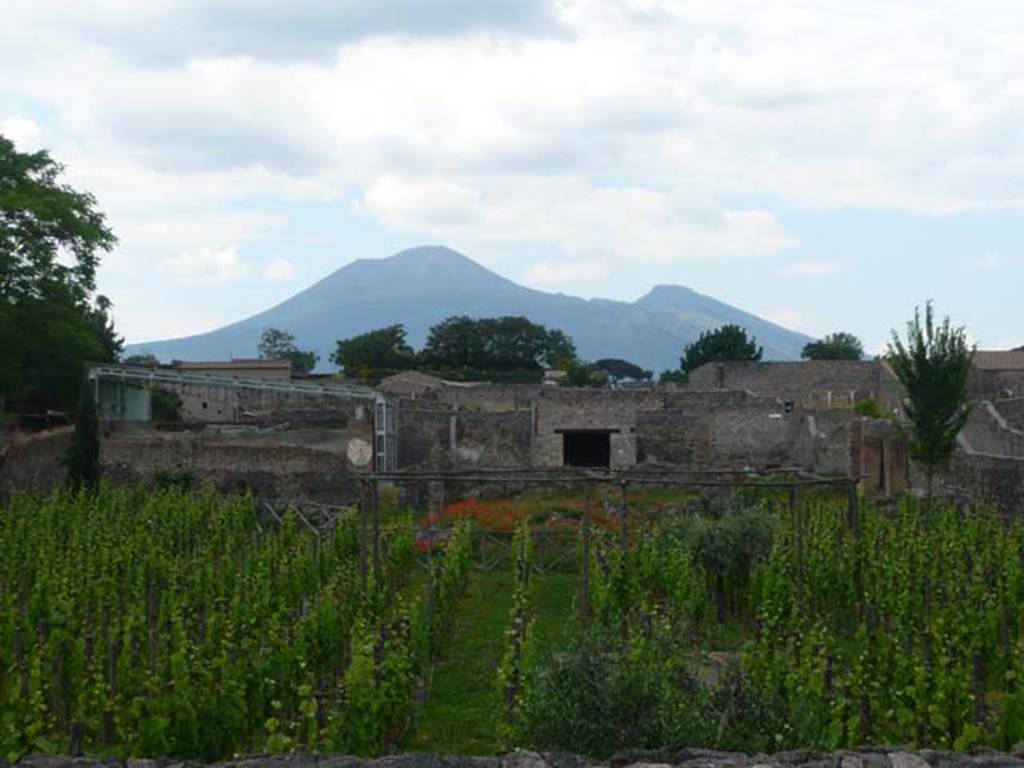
(586, 448)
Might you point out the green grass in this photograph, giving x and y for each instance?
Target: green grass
(463, 703)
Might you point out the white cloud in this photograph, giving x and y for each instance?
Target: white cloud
(626, 224)
(279, 269)
(613, 132)
(809, 268)
(25, 133)
(206, 264)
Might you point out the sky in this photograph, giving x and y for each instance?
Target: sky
(826, 164)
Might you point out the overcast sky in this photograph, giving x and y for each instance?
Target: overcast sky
(827, 164)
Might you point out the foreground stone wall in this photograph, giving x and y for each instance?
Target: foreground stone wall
(316, 465)
(875, 757)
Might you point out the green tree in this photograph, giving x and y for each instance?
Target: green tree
(583, 374)
(369, 354)
(51, 322)
(622, 369)
(933, 365)
(456, 342)
(83, 455)
(729, 343)
(835, 346)
(496, 344)
(276, 344)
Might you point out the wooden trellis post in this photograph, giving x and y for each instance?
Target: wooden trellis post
(851, 509)
(624, 522)
(585, 569)
(363, 544)
(375, 501)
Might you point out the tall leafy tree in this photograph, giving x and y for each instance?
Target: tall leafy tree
(276, 344)
(729, 343)
(51, 321)
(933, 365)
(370, 354)
(835, 346)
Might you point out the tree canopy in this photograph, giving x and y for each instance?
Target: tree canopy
(933, 365)
(51, 321)
(276, 344)
(835, 346)
(727, 343)
(495, 344)
(370, 354)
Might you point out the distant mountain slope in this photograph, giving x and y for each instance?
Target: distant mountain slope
(421, 286)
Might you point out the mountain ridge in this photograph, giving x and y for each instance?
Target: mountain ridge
(421, 286)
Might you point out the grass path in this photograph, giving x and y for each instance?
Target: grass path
(463, 703)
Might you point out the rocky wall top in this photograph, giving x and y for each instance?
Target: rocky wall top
(873, 757)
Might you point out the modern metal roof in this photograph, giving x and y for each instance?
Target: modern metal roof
(142, 374)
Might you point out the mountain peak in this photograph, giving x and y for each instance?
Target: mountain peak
(421, 286)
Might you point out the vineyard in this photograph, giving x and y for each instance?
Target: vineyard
(182, 624)
(179, 625)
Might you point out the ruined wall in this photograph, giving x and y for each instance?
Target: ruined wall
(993, 481)
(560, 409)
(756, 433)
(33, 462)
(987, 431)
(440, 437)
(488, 397)
(1012, 410)
(230, 463)
(995, 384)
(812, 384)
(219, 404)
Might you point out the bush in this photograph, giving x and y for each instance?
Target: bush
(166, 406)
(602, 695)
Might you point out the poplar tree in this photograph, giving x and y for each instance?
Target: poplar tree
(933, 365)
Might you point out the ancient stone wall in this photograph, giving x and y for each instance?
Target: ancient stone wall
(987, 431)
(454, 439)
(996, 481)
(869, 757)
(1012, 410)
(996, 384)
(559, 410)
(230, 463)
(489, 397)
(811, 384)
(220, 404)
(758, 433)
(33, 462)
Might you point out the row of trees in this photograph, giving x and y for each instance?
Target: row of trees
(459, 345)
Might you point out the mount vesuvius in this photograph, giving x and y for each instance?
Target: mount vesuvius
(421, 286)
